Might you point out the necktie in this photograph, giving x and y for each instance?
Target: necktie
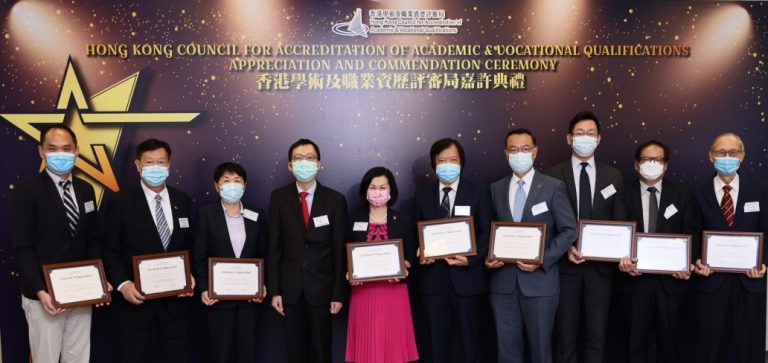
(517, 213)
(585, 193)
(69, 206)
(161, 223)
(653, 209)
(304, 208)
(445, 205)
(726, 205)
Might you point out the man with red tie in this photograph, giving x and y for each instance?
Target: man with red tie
(731, 306)
(306, 259)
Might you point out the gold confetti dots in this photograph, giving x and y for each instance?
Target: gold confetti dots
(609, 79)
(134, 14)
(7, 36)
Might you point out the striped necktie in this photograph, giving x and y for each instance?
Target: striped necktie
(161, 223)
(726, 205)
(69, 206)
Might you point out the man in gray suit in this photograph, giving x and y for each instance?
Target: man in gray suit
(525, 296)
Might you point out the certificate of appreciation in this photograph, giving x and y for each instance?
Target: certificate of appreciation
(512, 242)
(662, 253)
(735, 252)
(74, 284)
(605, 240)
(447, 237)
(235, 278)
(373, 261)
(162, 274)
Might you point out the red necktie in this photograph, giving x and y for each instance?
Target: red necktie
(304, 208)
(726, 205)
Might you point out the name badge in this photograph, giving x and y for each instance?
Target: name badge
(89, 206)
(608, 191)
(254, 216)
(321, 221)
(183, 222)
(461, 210)
(539, 208)
(360, 227)
(670, 211)
(750, 207)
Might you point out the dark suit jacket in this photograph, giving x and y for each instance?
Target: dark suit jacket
(40, 229)
(311, 261)
(212, 240)
(611, 209)
(469, 280)
(399, 225)
(560, 234)
(131, 231)
(750, 190)
(684, 221)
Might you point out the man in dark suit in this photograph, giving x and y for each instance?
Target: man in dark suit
(306, 257)
(53, 220)
(731, 306)
(152, 217)
(596, 192)
(454, 288)
(657, 205)
(524, 296)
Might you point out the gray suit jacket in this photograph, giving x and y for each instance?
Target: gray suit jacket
(561, 232)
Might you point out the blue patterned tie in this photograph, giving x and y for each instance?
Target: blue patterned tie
(161, 223)
(517, 213)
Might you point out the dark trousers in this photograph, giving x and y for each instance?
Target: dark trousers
(518, 316)
(647, 307)
(232, 333)
(590, 291)
(734, 313)
(308, 332)
(445, 311)
(154, 331)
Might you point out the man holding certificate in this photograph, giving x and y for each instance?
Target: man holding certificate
(524, 296)
(149, 218)
(657, 205)
(53, 220)
(596, 191)
(453, 288)
(731, 305)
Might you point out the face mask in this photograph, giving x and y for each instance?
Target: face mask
(378, 197)
(727, 165)
(651, 170)
(304, 170)
(448, 172)
(520, 162)
(231, 192)
(584, 145)
(154, 175)
(60, 162)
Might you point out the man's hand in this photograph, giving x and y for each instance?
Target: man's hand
(457, 261)
(261, 298)
(131, 294)
(191, 293)
(702, 269)
(756, 273)
(575, 256)
(47, 303)
(109, 289)
(277, 304)
(335, 307)
(206, 299)
(424, 261)
(527, 267)
(629, 265)
(683, 275)
(493, 264)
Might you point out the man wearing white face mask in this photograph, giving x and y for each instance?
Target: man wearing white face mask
(54, 220)
(306, 262)
(596, 192)
(149, 218)
(653, 302)
(524, 297)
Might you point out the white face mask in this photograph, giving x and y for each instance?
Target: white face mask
(651, 170)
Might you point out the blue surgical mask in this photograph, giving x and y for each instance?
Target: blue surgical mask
(584, 145)
(60, 162)
(231, 192)
(520, 162)
(448, 172)
(304, 170)
(727, 165)
(154, 175)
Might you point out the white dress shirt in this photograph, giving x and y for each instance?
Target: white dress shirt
(528, 179)
(591, 173)
(451, 195)
(310, 195)
(165, 203)
(56, 179)
(734, 192)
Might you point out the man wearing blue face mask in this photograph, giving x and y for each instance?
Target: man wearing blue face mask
(53, 220)
(306, 260)
(149, 218)
(596, 192)
(524, 297)
(453, 289)
(731, 306)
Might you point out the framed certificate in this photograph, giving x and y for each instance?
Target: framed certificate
(605, 240)
(512, 242)
(448, 237)
(735, 252)
(74, 284)
(659, 253)
(235, 278)
(162, 274)
(374, 261)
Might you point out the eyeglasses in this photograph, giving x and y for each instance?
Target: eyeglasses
(308, 157)
(657, 159)
(525, 149)
(732, 153)
(581, 133)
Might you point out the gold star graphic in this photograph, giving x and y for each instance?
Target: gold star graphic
(98, 124)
